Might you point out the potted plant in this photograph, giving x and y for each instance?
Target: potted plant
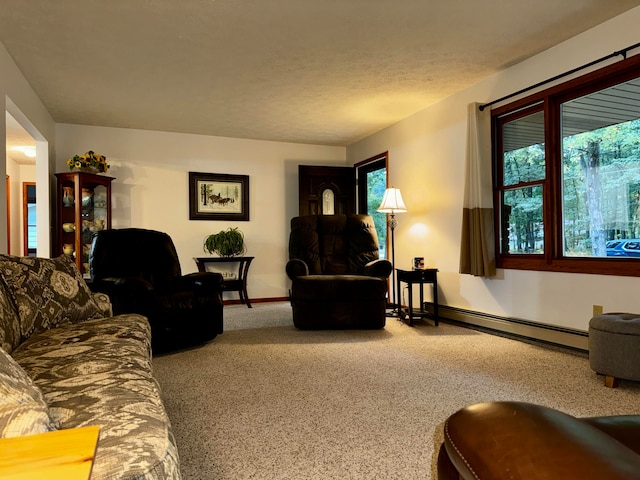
(226, 243)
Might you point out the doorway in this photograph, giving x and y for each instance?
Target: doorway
(27, 160)
(29, 219)
(326, 190)
(372, 182)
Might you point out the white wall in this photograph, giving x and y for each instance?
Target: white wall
(426, 157)
(151, 189)
(18, 98)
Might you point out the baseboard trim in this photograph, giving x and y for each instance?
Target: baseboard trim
(517, 328)
(512, 327)
(257, 300)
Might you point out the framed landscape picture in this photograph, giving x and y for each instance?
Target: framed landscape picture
(218, 196)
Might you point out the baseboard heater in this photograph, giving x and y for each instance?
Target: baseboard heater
(517, 328)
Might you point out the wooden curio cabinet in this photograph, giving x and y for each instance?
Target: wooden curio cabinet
(83, 207)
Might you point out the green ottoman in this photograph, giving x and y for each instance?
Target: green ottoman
(614, 346)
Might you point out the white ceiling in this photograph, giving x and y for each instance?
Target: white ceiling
(327, 72)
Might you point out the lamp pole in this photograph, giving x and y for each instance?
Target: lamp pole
(392, 203)
(392, 224)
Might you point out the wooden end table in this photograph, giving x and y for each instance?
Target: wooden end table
(421, 276)
(239, 284)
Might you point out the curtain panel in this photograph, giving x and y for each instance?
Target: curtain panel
(477, 250)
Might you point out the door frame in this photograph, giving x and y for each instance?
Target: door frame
(8, 188)
(364, 167)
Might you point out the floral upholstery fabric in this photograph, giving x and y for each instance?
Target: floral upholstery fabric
(9, 323)
(47, 292)
(23, 410)
(99, 372)
(103, 303)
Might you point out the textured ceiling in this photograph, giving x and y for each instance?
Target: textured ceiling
(327, 72)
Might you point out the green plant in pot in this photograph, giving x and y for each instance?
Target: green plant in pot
(226, 243)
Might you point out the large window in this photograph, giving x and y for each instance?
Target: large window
(567, 176)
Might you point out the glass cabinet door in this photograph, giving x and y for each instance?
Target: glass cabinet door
(84, 207)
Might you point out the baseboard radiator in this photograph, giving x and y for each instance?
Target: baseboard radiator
(516, 328)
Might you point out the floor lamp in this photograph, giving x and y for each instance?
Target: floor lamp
(392, 203)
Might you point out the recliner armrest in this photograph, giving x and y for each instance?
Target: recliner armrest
(125, 293)
(122, 284)
(624, 428)
(514, 440)
(297, 268)
(381, 268)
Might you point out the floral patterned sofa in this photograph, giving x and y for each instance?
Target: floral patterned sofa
(65, 362)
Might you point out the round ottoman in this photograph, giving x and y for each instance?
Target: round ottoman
(614, 346)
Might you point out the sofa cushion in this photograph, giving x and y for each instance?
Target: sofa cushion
(99, 372)
(47, 292)
(23, 410)
(9, 323)
(326, 288)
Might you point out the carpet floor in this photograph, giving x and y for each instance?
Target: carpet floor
(266, 401)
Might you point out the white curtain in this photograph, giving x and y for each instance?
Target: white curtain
(477, 251)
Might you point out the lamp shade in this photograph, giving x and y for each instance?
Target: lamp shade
(392, 202)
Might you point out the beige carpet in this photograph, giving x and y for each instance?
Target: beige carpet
(271, 402)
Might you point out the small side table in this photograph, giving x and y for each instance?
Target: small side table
(422, 276)
(237, 285)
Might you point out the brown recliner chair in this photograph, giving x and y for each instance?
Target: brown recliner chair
(140, 271)
(518, 441)
(337, 278)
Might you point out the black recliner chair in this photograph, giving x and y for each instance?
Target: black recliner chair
(140, 271)
(337, 279)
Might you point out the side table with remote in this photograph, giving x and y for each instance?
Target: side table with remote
(420, 276)
(239, 283)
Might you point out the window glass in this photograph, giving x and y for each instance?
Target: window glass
(601, 170)
(328, 202)
(633, 246)
(523, 172)
(522, 226)
(523, 149)
(567, 175)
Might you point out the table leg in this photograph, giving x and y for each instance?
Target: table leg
(435, 301)
(410, 288)
(396, 305)
(246, 296)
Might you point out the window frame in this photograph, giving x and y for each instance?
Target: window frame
(550, 101)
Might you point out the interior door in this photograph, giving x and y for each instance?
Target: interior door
(326, 190)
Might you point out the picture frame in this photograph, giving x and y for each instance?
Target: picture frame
(218, 196)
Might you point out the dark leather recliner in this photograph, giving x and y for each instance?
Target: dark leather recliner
(337, 278)
(523, 441)
(140, 271)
